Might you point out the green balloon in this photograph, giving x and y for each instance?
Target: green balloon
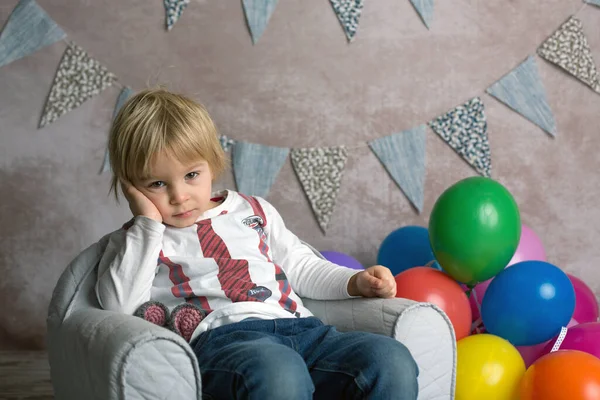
(474, 229)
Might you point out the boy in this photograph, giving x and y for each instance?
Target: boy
(229, 260)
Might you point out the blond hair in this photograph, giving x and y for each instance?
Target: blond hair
(155, 121)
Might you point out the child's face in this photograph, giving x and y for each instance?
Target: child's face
(181, 193)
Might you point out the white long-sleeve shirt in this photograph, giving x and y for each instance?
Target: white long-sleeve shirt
(237, 261)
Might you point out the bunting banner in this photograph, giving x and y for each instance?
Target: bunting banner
(425, 10)
(123, 96)
(27, 30)
(523, 91)
(258, 13)
(320, 172)
(256, 166)
(403, 156)
(78, 78)
(568, 48)
(465, 130)
(348, 13)
(594, 2)
(173, 11)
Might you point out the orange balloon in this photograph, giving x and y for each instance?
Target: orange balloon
(562, 375)
(429, 285)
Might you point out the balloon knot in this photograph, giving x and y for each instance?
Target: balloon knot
(470, 287)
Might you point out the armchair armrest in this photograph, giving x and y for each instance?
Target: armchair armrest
(360, 314)
(118, 356)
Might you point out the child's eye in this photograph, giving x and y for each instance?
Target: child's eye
(157, 184)
(191, 175)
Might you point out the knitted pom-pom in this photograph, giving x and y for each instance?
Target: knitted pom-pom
(185, 318)
(153, 311)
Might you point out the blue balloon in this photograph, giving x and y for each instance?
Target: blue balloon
(406, 248)
(528, 303)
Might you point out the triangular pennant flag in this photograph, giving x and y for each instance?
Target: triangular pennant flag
(78, 78)
(174, 9)
(226, 143)
(523, 91)
(348, 12)
(258, 13)
(568, 48)
(123, 96)
(465, 130)
(27, 30)
(255, 167)
(320, 171)
(403, 155)
(425, 10)
(594, 2)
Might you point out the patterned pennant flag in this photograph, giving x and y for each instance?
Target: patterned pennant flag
(78, 78)
(568, 48)
(258, 13)
(425, 10)
(320, 172)
(123, 96)
(523, 91)
(403, 156)
(255, 167)
(27, 30)
(226, 143)
(465, 130)
(348, 12)
(594, 2)
(174, 9)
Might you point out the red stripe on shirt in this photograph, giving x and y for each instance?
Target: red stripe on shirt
(181, 287)
(233, 275)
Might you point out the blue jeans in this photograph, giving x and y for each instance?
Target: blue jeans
(296, 358)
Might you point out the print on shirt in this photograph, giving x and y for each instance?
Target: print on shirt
(233, 275)
(255, 222)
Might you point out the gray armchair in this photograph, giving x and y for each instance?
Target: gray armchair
(98, 354)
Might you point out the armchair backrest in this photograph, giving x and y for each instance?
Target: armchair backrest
(75, 288)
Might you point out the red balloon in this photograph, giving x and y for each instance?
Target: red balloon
(429, 285)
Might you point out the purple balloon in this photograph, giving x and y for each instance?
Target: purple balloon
(582, 337)
(342, 259)
(586, 305)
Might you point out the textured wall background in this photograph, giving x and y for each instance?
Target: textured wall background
(301, 85)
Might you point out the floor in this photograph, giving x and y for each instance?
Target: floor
(24, 376)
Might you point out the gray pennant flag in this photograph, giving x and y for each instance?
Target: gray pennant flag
(27, 30)
(403, 156)
(256, 166)
(123, 96)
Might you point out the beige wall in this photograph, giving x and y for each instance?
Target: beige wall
(302, 85)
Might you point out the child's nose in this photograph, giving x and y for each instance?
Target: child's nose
(178, 196)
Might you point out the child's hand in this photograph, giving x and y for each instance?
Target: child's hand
(139, 204)
(375, 281)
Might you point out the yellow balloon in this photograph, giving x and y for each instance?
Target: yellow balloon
(488, 368)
